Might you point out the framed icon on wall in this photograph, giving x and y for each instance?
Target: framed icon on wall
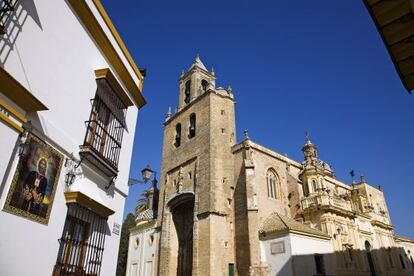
(35, 180)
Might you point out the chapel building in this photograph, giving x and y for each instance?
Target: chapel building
(237, 208)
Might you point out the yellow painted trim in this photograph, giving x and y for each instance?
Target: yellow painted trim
(17, 93)
(13, 111)
(86, 16)
(107, 74)
(10, 122)
(118, 38)
(88, 202)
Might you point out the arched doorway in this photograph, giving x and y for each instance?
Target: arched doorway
(369, 256)
(182, 209)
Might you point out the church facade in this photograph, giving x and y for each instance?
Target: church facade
(229, 208)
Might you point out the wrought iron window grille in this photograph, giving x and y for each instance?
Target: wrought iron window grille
(81, 246)
(106, 124)
(6, 9)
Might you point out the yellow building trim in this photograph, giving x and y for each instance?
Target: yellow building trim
(13, 111)
(16, 92)
(107, 74)
(88, 202)
(118, 39)
(10, 122)
(86, 16)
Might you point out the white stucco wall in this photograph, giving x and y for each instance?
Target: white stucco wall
(141, 258)
(298, 258)
(281, 263)
(47, 50)
(304, 248)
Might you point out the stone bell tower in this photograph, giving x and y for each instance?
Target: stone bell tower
(194, 214)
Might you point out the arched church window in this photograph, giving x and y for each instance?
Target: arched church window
(314, 185)
(305, 189)
(204, 85)
(177, 141)
(367, 246)
(187, 92)
(192, 127)
(136, 243)
(272, 184)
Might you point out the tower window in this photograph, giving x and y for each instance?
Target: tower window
(177, 141)
(272, 184)
(187, 92)
(204, 85)
(192, 128)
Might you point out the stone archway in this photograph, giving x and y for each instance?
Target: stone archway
(182, 209)
(369, 256)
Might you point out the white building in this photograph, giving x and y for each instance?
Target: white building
(292, 248)
(143, 238)
(69, 99)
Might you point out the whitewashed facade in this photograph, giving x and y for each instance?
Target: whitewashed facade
(142, 250)
(294, 254)
(58, 59)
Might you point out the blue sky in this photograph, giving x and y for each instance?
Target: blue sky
(317, 66)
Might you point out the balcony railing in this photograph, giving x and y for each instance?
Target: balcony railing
(104, 131)
(325, 200)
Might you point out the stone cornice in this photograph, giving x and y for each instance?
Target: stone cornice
(142, 227)
(199, 98)
(266, 151)
(381, 224)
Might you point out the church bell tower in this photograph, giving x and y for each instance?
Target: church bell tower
(195, 214)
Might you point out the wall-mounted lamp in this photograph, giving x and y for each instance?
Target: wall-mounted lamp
(69, 178)
(23, 145)
(23, 149)
(146, 175)
(72, 167)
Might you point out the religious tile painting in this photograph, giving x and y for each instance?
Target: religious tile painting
(34, 183)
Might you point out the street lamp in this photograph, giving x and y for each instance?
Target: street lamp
(151, 195)
(146, 175)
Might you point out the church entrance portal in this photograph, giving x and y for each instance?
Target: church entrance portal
(183, 221)
(369, 256)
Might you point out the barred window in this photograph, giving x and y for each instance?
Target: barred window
(106, 124)
(82, 243)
